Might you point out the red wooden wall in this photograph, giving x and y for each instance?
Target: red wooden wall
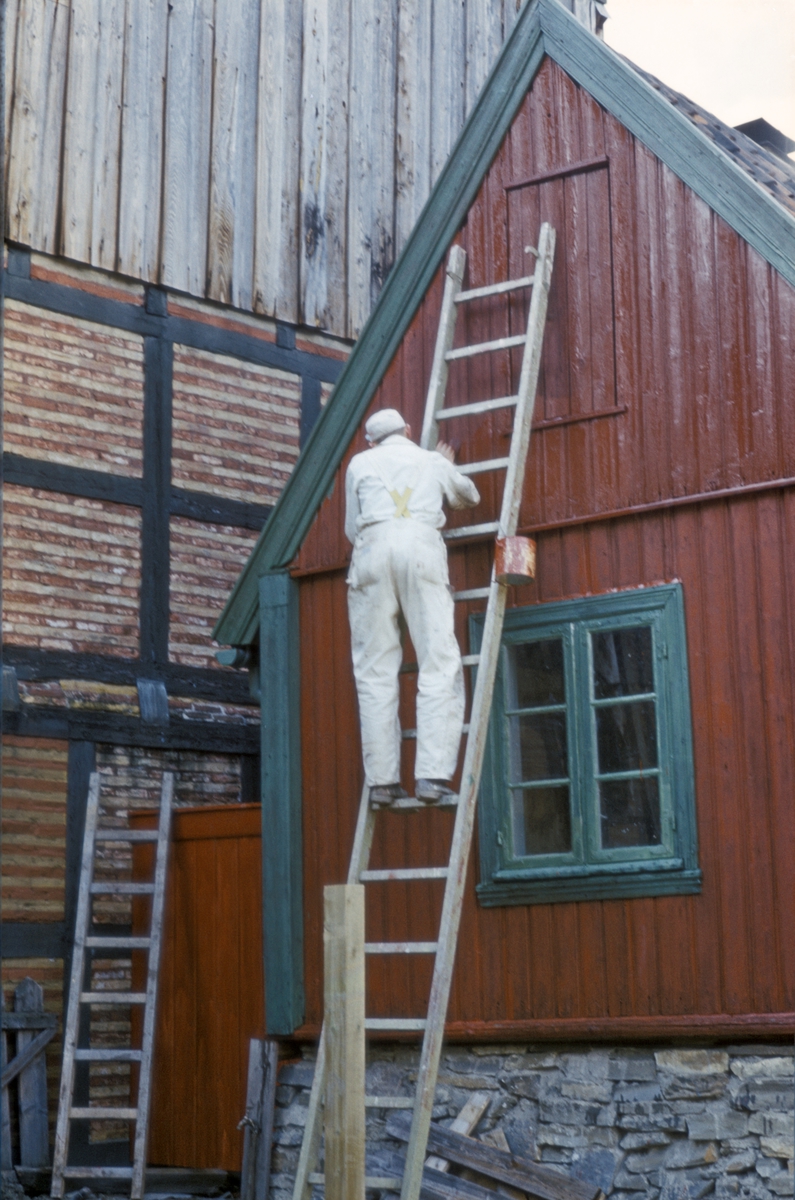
(211, 995)
(664, 449)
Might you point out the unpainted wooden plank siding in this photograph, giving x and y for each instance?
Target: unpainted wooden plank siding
(698, 398)
(36, 33)
(271, 156)
(141, 147)
(92, 130)
(230, 242)
(186, 184)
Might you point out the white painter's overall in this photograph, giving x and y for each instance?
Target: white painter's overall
(394, 496)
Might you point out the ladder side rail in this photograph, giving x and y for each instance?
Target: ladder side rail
(310, 1143)
(528, 380)
(454, 276)
(150, 1010)
(478, 724)
(454, 891)
(82, 917)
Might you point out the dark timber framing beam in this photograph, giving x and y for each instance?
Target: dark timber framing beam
(215, 737)
(155, 560)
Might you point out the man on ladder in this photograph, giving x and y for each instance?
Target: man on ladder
(394, 495)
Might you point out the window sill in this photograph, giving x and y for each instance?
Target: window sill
(605, 885)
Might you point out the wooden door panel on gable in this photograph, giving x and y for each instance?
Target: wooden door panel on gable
(577, 377)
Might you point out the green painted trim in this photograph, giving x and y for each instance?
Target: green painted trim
(282, 849)
(609, 887)
(400, 298)
(712, 174)
(543, 27)
(667, 870)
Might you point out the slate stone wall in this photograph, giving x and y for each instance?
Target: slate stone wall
(642, 1123)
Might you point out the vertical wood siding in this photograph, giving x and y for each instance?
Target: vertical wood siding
(272, 156)
(691, 375)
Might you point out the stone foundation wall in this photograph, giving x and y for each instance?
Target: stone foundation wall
(642, 1123)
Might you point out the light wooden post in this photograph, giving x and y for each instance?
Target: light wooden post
(343, 940)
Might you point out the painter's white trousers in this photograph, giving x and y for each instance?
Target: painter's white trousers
(401, 565)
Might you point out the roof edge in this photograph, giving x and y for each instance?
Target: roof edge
(444, 211)
(693, 157)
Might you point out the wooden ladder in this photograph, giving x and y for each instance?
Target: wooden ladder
(486, 662)
(79, 998)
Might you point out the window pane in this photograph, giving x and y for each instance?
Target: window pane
(542, 821)
(537, 674)
(622, 662)
(630, 810)
(541, 744)
(626, 735)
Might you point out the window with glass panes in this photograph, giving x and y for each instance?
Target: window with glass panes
(588, 781)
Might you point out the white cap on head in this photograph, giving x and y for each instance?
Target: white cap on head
(382, 423)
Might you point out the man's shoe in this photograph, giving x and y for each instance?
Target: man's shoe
(431, 791)
(383, 795)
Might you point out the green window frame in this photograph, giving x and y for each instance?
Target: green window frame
(587, 788)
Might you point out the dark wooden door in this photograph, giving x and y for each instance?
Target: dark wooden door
(211, 984)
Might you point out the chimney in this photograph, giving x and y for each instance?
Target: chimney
(765, 134)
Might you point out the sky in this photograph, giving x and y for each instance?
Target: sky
(736, 58)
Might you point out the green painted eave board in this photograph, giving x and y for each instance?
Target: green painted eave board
(543, 27)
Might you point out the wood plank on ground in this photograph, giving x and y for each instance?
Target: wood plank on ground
(34, 1136)
(503, 1166)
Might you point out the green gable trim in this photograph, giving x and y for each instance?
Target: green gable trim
(282, 851)
(543, 27)
(400, 298)
(711, 173)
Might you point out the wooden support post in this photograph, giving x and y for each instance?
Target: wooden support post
(263, 1065)
(5, 1107)
(343, 940)
(34, 1137)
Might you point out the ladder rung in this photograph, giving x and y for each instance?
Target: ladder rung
(409, 803)
(113, 997)
(118, 943)
(486, 347)
(98, 1172)
(384, 1183)
(401, 947)
(495, 289)
(126, 835)
(472, 594)
(103, 1114)
(120, 1054)
(470, 660)
(122, 889)
(404, 873)
(479, 406)
(396, 1024)
(479, 468)
(464, 531)
(388, 1102)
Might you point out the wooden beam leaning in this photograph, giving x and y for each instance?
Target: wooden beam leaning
(343, 942)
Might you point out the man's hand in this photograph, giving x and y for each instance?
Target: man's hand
(446, 451)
